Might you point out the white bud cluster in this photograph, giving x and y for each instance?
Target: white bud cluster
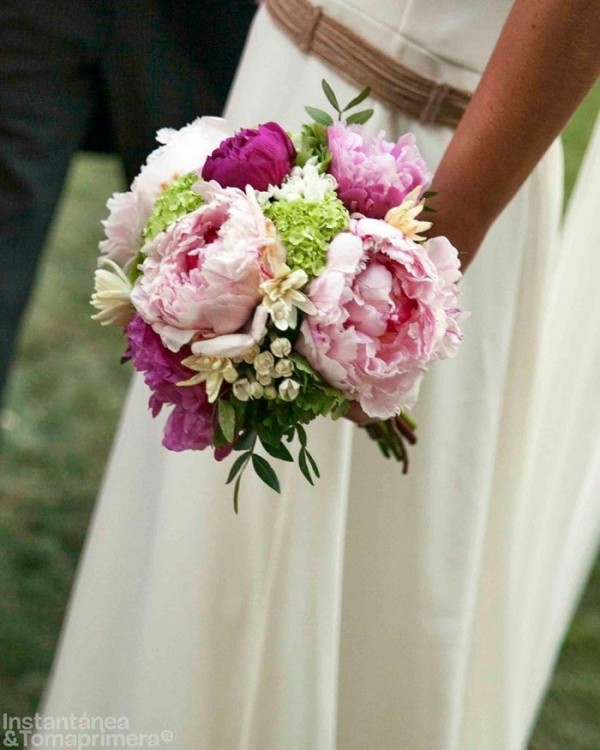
(269, 366)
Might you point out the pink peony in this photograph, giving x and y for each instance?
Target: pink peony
(374, 175)
(200, 279)
(123, 228)
(189, 426)
(181, 151)
(386, 308)
(259, 158)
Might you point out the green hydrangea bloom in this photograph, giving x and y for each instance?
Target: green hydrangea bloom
(176, 200)
(307, 227)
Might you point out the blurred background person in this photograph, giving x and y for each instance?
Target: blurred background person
(103, 76)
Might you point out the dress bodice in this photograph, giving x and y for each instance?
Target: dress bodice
(449, 40)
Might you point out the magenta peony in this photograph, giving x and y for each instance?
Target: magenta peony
(374, 175)
(200, 279)
(386, 308)
(189, 426)
(259, 158)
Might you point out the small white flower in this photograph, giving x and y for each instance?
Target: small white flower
(281, 347)
(210, 370)
(264, 378)
(404, 216)
(270, 393)
(305, 182)
(284, 368)
(241, 389)
(263, 363)
(282, 296)
(283, 315)
(251, 354)
(112, 295)
(289, 390)
(255, 390)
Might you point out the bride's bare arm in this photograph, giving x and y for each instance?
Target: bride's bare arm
(545, 61)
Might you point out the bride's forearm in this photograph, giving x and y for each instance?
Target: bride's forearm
(545, 61)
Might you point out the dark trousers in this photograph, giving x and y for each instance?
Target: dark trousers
(104, 75)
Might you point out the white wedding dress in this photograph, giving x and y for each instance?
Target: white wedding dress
(376, 611)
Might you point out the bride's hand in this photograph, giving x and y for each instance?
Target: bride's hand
(357, 415)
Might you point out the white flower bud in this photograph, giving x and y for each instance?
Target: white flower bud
(270, 393)
(251, 354)
(289, 389)
(284, 368)
(263, 362)
(281, 347)
(264, 378)
(241, 389)
(255, 390)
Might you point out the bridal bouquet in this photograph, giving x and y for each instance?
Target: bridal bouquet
(264, 279)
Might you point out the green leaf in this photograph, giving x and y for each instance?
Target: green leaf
(301, 435)
(302, 157)
(340, 409)
(245, 441)
(239, 463)
(227, 420)
(429, 194)
(218, 439)
(331, 97)
(265, 472)
(302, 365)
(313, 464)
(267, 436)
(357, 99)
(302, 463)
(277, 450)
(240, 412)
(359, 118)
(135, 271)
(319, 116)
(236, 494)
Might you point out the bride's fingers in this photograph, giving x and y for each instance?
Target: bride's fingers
(356, 414)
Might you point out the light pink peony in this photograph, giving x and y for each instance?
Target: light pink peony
(123, 228)
(181, 151)
(386, 308)
(373, 174)
(200, 279)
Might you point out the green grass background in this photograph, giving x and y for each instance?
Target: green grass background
(63, 402)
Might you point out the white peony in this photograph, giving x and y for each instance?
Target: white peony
(181, 151)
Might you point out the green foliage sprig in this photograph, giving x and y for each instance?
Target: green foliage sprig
(356, 118)
(273, 425)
